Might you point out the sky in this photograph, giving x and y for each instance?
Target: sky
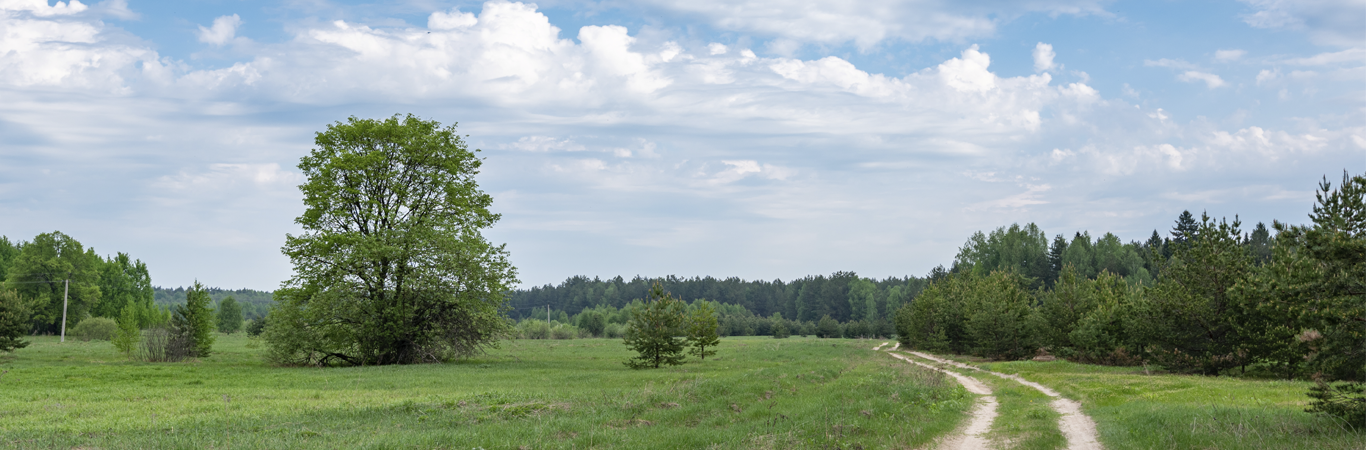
(759, 139)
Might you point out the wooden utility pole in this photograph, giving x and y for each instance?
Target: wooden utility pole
(66, 290)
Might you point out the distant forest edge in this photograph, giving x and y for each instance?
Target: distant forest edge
(254, 303)
(844, 296)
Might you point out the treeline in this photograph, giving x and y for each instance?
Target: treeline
(844, 296)
(255, 304)
(41, 271)
(732, 320)
(1210, 299)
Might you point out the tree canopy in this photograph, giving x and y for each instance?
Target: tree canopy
(391, 267)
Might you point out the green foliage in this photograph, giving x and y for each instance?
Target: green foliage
(935, 320)
(391, 267)
(122, 281)
(827, 328)
(229, 316)
(14, 321)
(1344, 400)
(193, 321)
(701, 327)
(38, 274)
(656, 331)
(780, 328)
(1189, 318)
(256, 326)
(95, 328)
(996, 314)
(1020, 249)
(1102, 333)
(129, 333)
(593, 322)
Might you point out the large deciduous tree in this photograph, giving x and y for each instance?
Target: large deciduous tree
(391, 267)
(39, 274)
(229, 318)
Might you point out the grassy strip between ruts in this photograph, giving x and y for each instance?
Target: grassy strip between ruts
(759, 393)
(1024, 420)
(1135, 410)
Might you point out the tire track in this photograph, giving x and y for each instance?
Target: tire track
(972, 436)
(1075, 425)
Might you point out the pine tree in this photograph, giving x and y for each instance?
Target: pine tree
(655, 331)
(194, 320)
(14, 321)
(702, 331)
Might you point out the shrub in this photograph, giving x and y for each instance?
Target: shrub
(129, 333)
(95, 328)
(166, 345)
(256, 326)
(534, 329)
(614, 330)
(563, 331)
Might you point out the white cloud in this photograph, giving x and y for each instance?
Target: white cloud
(223, 30)
(40, 8)
(451, 20)
(746, 151)
(1043, 57)
(1229, 55)
(1329, 22)
(1267, 76)
(1210, 80)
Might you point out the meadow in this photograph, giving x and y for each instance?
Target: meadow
(759, 392)
(1136, 408)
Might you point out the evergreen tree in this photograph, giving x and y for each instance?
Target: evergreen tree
(1185, 229)
(827, 327)
(1189, 316)
(1055, 259)
(1259, 244)
(194, 321)
(702, 331)
(780, 329)
(14, 321)
(229, 316)
(656, 332)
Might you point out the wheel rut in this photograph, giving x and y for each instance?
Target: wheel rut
(1075, 425)
(973, 435)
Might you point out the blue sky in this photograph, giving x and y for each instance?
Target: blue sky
(762, 139)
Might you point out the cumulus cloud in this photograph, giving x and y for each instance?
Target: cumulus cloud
(584, 136)
(223, 30)
(1043, 57)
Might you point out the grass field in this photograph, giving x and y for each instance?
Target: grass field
(1134, 410)
(759, 393)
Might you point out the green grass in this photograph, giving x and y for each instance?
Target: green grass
(1134, 410)
(791, 393)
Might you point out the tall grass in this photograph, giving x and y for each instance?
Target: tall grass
(758, 393)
